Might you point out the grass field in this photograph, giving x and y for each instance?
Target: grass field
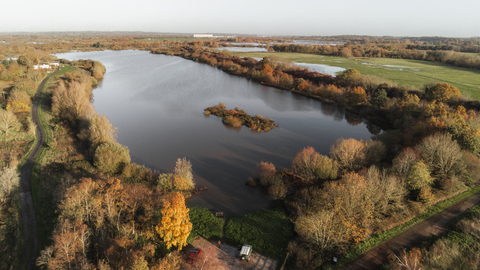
(403, 72)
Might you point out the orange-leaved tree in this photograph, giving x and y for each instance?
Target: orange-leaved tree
(175, 226)
(356, 96)
(442, 92)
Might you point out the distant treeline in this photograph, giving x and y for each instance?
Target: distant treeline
(401, 51)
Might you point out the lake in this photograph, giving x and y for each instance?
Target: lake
(157, 103)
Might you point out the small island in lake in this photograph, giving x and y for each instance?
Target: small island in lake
(237, 118)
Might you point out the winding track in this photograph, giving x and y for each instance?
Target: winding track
(29, 220)
(434, 226)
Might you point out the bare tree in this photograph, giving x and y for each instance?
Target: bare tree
(8, 121)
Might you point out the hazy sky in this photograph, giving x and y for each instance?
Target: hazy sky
(262, 17)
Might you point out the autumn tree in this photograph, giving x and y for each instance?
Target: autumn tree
(99, 131)
(9, 181)
(404, 161)
(310, 165)
(111, 157)
(175, 224)
(349, 153)
(356, 96)
(419, 176)
(183, 176)
(442, 92)
(349, 77)
(301, 85)
(70, 102)
(266, 172)
(406, 260)
(323, 228)
(8, 121)
(441, 154)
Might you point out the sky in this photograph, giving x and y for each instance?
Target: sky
(256, 17)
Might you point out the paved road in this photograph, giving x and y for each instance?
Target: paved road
(29, 220)
(436, 225)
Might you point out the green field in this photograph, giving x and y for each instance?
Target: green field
(403, 72)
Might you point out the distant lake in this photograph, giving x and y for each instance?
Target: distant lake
(242, 49)
(157, 103)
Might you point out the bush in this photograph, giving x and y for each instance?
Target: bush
(205, 224)
(268, 232)
(111, 157)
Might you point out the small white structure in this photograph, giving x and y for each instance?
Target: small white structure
(42, 66)
(202, 36)
(54, 64)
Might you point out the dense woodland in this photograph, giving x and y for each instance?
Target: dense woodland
(98, 210)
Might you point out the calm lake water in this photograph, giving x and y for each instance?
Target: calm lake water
(157, 102)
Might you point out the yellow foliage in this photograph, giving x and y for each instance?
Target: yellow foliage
(18, 106)
(175, 226)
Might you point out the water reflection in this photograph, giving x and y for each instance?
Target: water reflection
(157, 104)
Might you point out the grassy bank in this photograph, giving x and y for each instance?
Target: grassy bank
(403, 72)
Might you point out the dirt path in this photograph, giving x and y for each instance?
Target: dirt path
(226, 257)
(29, 220)
(434, 226)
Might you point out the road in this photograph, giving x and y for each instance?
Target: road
(29, 220)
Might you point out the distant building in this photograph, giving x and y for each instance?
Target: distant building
(202, 36)
(210, 36)
(54, 64)
(42, 66)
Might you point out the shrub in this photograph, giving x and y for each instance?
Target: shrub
(205, 224)
(111, 157)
